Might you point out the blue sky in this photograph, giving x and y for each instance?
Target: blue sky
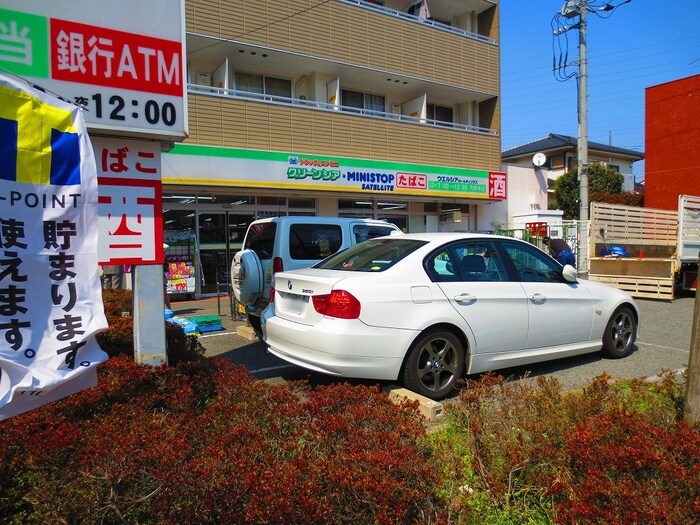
(641, 44)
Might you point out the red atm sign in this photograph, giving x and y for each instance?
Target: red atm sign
(100, 56)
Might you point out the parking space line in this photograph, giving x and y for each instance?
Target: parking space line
(217, 334)
(664, 347)
(270, 369)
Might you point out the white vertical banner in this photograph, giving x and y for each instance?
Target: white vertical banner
(220, 79)
(416, 108)
(50, 295)
(422, 10)
(333, 93)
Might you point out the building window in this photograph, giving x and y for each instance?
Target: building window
(440, 113)
(277, 87)
(362, 102)
(556, 162)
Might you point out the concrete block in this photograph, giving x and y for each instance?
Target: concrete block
(246, 332)
(429, 409)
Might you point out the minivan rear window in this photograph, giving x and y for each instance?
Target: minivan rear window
(314, 241)
(364, 232)
(261, 239)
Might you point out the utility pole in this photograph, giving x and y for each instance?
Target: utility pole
(691, 412)
(572, 9)
(582, 143)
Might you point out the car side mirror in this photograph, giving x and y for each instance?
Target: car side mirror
(570, 274)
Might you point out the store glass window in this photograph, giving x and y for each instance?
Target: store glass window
(212, 228)
(301, 204)
(271, 201)
(355, 206)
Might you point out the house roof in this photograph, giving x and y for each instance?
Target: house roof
(555, 141)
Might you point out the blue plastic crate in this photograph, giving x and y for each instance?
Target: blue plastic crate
(188, 326)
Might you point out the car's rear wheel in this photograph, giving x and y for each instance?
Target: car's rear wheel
(620, 333)
(434, 364)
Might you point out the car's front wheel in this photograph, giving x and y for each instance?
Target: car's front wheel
(620, 333)
(434, 364)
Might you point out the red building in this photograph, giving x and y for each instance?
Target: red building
(672, 143)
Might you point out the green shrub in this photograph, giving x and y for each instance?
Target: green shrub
(118, 339)
(609, 454)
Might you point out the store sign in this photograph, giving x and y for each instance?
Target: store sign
(130, 201)
(50, 302)
(194, 164)
(129, 75)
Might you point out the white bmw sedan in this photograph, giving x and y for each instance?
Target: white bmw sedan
(426, 309)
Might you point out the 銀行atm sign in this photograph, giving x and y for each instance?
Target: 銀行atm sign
(128, 73)
(101, 56)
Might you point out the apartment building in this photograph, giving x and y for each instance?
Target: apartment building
(387, 109)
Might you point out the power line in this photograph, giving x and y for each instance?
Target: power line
(573, 9)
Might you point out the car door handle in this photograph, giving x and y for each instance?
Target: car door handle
(537, 298)
(465, 298)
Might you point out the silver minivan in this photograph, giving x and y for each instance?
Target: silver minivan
(286, 243)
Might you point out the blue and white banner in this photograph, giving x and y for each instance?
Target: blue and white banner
(50, 295)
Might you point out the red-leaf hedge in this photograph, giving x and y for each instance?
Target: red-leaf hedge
(205, 443)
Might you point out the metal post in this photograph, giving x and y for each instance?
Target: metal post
(149, 318)
(692, 393)
(582, 145)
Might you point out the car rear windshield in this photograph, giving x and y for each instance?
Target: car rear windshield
(261, 239)
(371, 256)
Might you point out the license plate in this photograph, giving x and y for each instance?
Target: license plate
(294, 303)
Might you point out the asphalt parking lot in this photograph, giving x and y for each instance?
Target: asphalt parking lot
(664, 344)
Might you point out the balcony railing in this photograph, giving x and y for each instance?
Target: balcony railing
(414, 19)
(323, 106)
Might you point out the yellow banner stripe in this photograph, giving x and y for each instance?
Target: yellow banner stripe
(36, 119)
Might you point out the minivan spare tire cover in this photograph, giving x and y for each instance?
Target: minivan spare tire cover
(247, 277)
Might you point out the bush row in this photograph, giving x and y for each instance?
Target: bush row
(205, 443)
(615, 453)
(202, 441)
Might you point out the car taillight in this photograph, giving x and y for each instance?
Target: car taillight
(338, 303)
(277, 266)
